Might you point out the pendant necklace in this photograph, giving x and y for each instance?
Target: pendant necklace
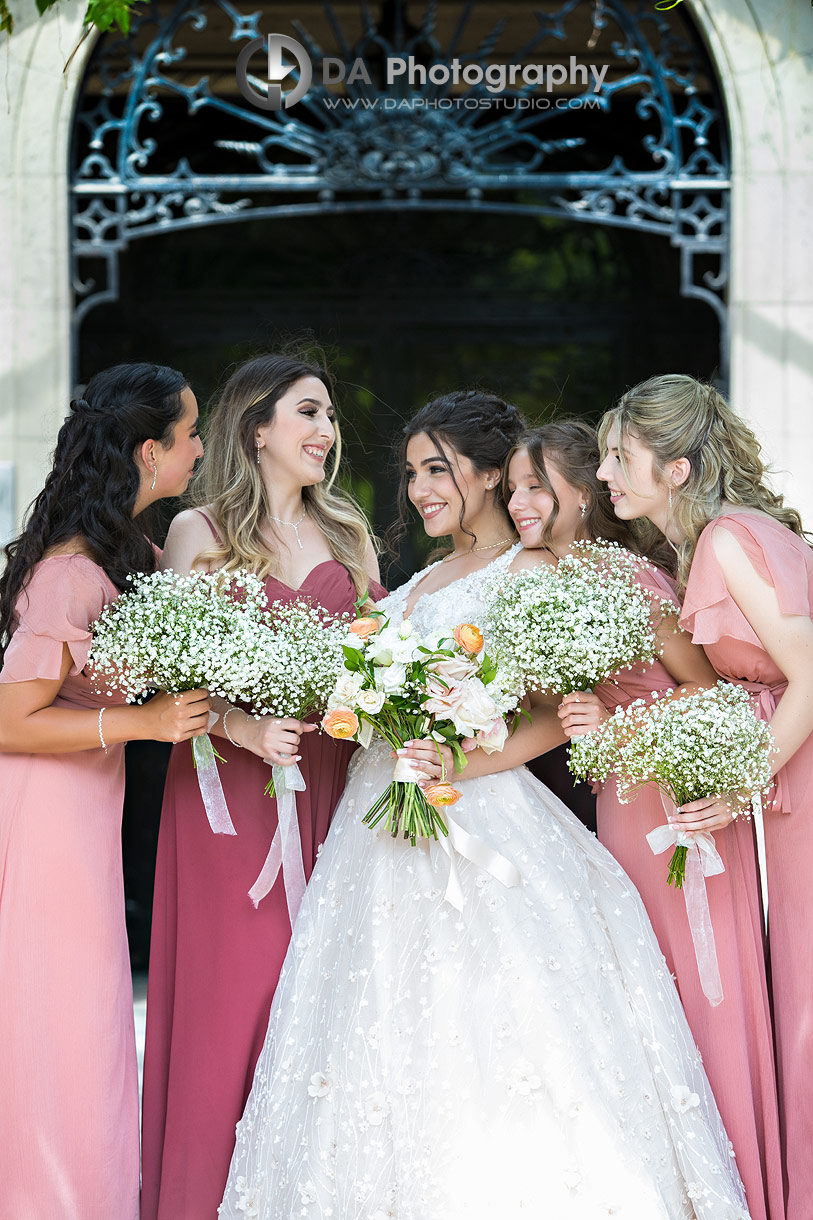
(293, 524)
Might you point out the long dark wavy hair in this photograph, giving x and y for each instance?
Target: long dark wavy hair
(92, 487)
(477, 425)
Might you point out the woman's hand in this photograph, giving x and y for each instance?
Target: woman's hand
(177, 717)
(270, 738)
(434, 760)
(707, 814)
(581, 712)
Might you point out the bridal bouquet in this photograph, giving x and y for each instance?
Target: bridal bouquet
(566, 628)
(706, 744)
(404, 687)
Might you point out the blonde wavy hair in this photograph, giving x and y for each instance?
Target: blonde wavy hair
(677, 416)
(230, 486)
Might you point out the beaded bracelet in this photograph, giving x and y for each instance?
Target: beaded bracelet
(226, 715)
(102, 711)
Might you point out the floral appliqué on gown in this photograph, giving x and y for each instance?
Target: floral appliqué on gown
(525, 1056)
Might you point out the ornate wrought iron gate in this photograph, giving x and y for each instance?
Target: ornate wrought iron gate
(163, 139)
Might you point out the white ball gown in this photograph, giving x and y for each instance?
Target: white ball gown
(524, 1057)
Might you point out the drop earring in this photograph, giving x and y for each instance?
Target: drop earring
(258, 453)
(154, 477)
(583, 508)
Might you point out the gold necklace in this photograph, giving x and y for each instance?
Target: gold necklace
(475, 549)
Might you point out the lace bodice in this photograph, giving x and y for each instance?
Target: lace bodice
(461, 600)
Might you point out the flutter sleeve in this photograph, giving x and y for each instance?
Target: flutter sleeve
(62, 598)
(779, 556)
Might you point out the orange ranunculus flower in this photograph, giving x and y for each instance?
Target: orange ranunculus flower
(469, 637)
(441, 794)
(340, 723)
(365, 627)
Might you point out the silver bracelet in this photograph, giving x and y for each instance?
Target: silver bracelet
(102, 711)
(226, 715)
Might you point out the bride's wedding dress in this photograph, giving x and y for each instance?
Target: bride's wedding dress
(524, 1057)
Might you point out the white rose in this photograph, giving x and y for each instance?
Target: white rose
(476, 709)
(454, 669)
(370, 701)
(493, 739)
(406, 629)
(345, 692)
(390, 678)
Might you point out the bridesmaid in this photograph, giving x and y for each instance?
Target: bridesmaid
(678, 455)
(555, 499)
(215, 959)
(68, 1078)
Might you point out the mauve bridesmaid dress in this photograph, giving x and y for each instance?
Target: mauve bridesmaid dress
(68, 1076)
(735, 1038)
(215, 959)
(785, 561)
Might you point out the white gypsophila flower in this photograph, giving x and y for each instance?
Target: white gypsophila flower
(173, 631)
(708, 743)
(570, 627)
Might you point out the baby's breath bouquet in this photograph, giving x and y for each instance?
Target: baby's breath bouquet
(177, 631)
(707, 744)
(289, 665)
(566, 628)
(404, 687)
(700, 745)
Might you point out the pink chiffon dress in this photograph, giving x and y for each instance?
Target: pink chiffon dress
(215, 959)
(68, 1075)
(735, 1038)
(786, 561)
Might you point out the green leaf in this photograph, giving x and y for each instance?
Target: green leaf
(44, 5)
(353, 659)
(105, 14)
(460, 760)
(6, 19)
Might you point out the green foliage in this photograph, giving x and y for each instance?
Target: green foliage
(104, 14)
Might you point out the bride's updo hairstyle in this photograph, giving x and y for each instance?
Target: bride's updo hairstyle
(572, 446)
(677, 416)
(91, 490)
(230, 484)
(475, 424)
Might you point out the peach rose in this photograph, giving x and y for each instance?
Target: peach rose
(469, 637)
(441, 794)
(364, 627)
(340, 723)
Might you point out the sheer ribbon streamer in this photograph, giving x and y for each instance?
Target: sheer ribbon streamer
(211, 789)
(702, 860)
(461, 843)
(762, 855)
(285, 851)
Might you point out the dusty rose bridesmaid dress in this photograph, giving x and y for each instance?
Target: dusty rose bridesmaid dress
(68, 1078)
(735, 1038)
(215, 960)
(736, 652)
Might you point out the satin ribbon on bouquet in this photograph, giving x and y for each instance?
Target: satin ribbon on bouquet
(285, 851)
(462, 843)
(211, 789)
(702, 860)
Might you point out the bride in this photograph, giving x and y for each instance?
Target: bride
(525, 1056)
